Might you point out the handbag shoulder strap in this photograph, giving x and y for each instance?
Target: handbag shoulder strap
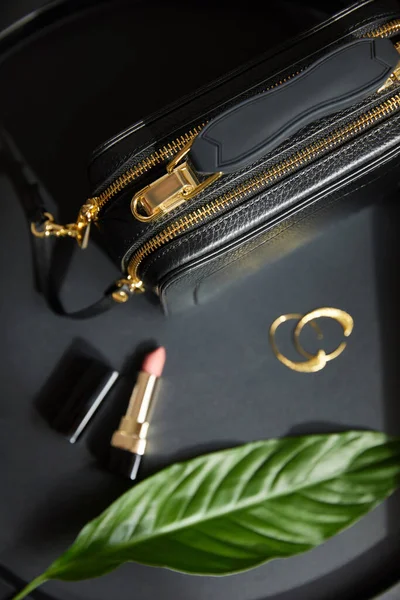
(41, 222)
(47, 286)
(45, 271)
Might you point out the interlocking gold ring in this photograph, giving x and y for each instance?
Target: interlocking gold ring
(342, 317)
(318, 361)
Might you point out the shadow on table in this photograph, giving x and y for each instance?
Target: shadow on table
(373, 584)
(380, 562)
(387, 256)
(387, 249)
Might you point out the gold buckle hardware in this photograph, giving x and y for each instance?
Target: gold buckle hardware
(178, 185)
(50, 228)
(79, 230)
(395, 76)
(131, 287)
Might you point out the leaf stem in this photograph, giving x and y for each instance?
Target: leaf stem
(30, 587)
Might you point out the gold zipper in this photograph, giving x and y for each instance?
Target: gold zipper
(300, 158)
(165, 153)
(91, 209)
(160, 156)
(89, 212)
(385, 30)
(157, 158)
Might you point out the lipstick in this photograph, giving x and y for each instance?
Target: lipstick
(129, 440)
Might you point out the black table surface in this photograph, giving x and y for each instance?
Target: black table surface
(222, 383)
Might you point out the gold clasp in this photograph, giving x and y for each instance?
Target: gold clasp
(178, 185)
(79, 230)
(127, 287)
(50, 228)
(394, 78)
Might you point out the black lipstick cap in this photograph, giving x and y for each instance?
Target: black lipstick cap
(85, 397)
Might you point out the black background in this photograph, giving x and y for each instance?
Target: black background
(61, 96)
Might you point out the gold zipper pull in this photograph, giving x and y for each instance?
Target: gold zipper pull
(395, 76)
(87, 214)
(178, 185)
(80, 230)
(50, 228)
(126, 287)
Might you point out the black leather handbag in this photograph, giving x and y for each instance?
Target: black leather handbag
(218, 184)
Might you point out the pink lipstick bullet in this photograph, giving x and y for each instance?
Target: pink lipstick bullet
(129, 441)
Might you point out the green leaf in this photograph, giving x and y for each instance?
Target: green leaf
(232, 510)
(30, 587)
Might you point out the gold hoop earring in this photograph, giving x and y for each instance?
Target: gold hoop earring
(313, 364)
(342, 317)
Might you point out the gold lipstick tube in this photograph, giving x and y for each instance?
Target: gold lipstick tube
(132, 432)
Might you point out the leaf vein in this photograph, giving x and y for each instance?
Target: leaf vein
(214, 492)
(256, 531)
(297, 452)
(226, 542)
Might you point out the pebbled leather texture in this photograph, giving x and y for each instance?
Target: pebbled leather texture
(278, 221)
(185, 271)
(221, 272)
(122, 234)
(138, 141)
(248, 131)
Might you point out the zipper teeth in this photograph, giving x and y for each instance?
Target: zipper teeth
(157, 157)
(385, 30)
(167, 151)
(283, 168)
